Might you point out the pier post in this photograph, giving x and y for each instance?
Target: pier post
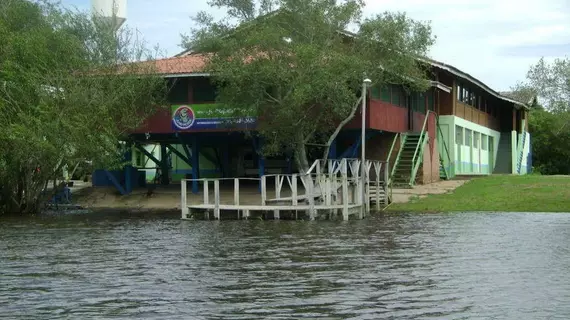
(183, 201)
(263, 190)
(217, 199)
(344, 197)
(236, 192)
(377, 200)
(310, 193)
(206, 192)
(386, 184)
(294, 190)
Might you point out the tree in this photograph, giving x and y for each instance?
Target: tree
(552, 83)
(293, 64)
(68, 92)
(549, 121)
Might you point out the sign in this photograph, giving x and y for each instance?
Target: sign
(208, 116)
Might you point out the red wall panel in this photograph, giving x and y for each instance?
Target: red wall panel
(387, 117)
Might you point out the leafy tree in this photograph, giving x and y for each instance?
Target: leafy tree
(549, 121)
(68, 92)
(293, 64)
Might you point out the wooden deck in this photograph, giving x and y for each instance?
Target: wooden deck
(316, 194)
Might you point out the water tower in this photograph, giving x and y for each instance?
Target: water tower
(113, 12)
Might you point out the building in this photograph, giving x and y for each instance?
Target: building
(459, 126)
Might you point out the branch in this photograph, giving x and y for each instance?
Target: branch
(339, 127)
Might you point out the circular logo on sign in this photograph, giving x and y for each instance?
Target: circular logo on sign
(183, 117)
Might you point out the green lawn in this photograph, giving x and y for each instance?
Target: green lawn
(529, 193)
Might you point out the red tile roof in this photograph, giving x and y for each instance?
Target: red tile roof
(180, 65)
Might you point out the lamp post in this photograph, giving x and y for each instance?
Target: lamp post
(365, 83)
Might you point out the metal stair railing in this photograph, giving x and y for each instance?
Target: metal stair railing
(418, 154)
(440, 133)
(403, 139)
(520, 148)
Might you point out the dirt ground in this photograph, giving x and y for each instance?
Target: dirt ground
(168, 198)
(420, 191)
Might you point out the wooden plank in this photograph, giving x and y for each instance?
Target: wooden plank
(268, 207)
(217, 199)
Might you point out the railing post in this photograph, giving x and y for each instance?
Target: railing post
(310, 194)
(386, 183)
(206, 192)
(236, 192)
(263, 190)
(183, 201)
(277, 186)
(294, 189)
(377, 171)
(344, 197)
(217, 199)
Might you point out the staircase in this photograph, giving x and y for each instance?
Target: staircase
(403, 167)
(503, 162)
(442, 173)
(521, 152)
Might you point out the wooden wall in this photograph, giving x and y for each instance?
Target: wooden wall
(474, 115)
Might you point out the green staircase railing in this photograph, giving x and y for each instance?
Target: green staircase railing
(419, 153)
(520, 150)
(446, 169)
(396, 162)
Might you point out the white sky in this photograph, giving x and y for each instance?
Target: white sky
(493, 40)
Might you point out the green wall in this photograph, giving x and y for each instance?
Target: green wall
(477, 151)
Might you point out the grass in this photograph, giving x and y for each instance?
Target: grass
(528, 193)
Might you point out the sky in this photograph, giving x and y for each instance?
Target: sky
(496, 41)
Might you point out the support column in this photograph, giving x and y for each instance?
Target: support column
(164, 167)
(195, 164)
(128, 168)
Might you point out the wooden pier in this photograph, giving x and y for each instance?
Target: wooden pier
(328, 190)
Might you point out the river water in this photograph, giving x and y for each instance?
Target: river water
(445, 266)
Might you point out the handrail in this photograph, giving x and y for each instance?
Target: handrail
(522, 143)
(444, 145)
(390, 156)
(421, 135)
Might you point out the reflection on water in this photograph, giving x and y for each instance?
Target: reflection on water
(456, 266)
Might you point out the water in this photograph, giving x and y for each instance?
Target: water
(454, 266)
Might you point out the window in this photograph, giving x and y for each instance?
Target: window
(458, 135)
(375, 92)
(476, 137)
(398, 96)
(468, 137)
(385, 94)
(203, 91)
(430, 100)
(484, 142)
(178, 90)
(418, 102)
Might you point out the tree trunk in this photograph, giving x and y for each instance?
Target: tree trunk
(339, 127)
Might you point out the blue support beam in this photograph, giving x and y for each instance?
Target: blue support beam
(257, 146)
(128, 169)
(195, 164)
(115, 182)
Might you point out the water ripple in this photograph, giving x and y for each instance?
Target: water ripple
(457, 266)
